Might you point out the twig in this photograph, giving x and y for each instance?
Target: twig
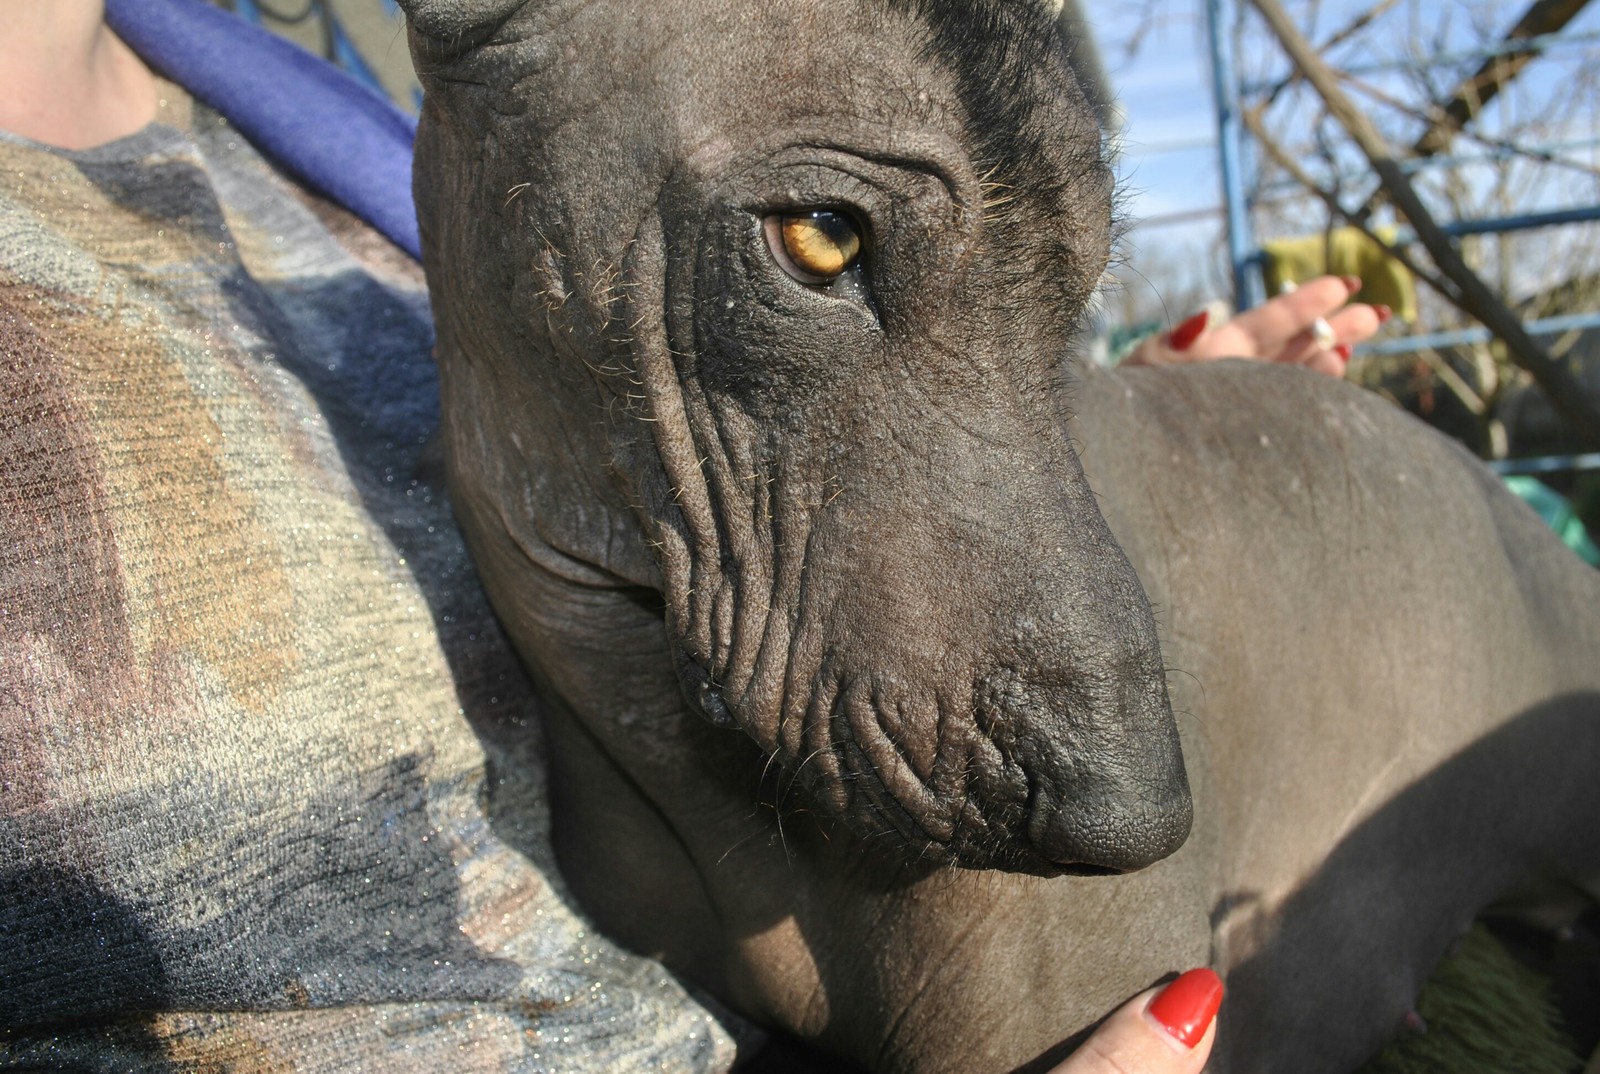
(1495, 73)
(1361, 219)
(1476, 299)
(1339, 37)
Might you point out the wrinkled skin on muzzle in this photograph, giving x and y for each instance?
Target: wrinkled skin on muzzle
(901, 587)
(981, 679)
(876, 550)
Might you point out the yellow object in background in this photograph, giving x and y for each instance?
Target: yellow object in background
(1344, 251)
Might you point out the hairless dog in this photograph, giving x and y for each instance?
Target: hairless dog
(909, 688)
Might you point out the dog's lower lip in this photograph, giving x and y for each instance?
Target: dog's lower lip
(1028, 861)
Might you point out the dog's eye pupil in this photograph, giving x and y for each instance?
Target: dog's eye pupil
(820, 243)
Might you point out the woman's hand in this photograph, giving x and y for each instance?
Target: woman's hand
(1163, 1031)
(1310, 325)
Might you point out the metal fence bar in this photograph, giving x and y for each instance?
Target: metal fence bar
(1247, 288)
(1461, 336)
(1542, 154)
(1525, 222)
(1457, 228)
(1229, 92)
(1521, 44)
(1547, 464)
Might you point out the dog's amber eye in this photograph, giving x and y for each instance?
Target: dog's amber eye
(814, 247)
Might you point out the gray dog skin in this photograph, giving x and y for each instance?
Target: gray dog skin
(840, 595)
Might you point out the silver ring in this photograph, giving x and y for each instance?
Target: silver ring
(1323, 333)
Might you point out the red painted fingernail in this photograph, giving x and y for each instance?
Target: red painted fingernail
(1186, 1007)
(1182, 337)
(1344, 351)
(1351, 283)
(1384, 313)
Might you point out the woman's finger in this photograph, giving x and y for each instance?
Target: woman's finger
(1325, 346)
(1266, 330)
(1310, 326)
(1164, 1031)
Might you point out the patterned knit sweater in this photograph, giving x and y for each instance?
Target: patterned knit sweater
(270, 780)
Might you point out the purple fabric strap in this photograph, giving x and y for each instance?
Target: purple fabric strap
(335, 135)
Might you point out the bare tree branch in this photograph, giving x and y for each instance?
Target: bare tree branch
(1361, 219)
(1544, 17)
(1339, 37)
(1475, 297)
(1435, 115)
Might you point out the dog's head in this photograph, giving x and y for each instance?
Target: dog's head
(766, 306)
